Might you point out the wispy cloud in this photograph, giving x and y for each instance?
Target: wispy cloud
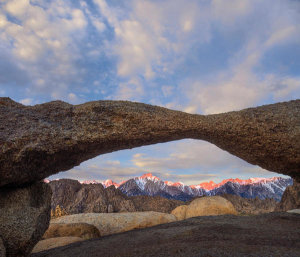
(195, 56)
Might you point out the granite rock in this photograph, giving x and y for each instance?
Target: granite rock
(75, 198)
(112, 223)
(2, 249)
(290, 199)
(209, 205)
(83, 230)
(24, 217)
(50, 243)
(41, 140)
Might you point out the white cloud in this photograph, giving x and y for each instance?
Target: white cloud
(132, 89)
(42, 42)
(188, 154)
(229, 11)
(26, 101)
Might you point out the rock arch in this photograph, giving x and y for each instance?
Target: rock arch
(37, 141)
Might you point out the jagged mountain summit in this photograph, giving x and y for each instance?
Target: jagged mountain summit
(151, 185)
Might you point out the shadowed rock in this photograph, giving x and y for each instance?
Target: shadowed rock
(37, 141)
(272, 234)
(290, 199)
(24, 217)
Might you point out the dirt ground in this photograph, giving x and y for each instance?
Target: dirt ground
(272, 234)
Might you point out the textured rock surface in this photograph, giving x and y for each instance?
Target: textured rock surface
(54, 242)
(251, 206)
(75, 198)
(83, 230)
(290, 199)
(180, 212)
(209, 205)
(37, 141)
(156, 203)
(111, 223)
(272, 234)
(24, 217)
(2, 249)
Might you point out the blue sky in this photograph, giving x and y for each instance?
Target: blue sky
(195, 56)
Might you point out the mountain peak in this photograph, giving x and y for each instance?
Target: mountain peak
(149, 176)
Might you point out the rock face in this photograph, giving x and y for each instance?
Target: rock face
(24, 217)
(251, 206)
(54, 242)
(74, 198)
(290, 199)
(111, 223)
(205, 206)
(156, 203)
(83, 230)
(271, 234)
(37, 141)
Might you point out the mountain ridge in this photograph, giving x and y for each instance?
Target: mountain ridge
(151, 185)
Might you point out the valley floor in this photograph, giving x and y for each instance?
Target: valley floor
(272, 234)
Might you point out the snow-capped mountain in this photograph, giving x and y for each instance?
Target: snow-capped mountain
(151, 185)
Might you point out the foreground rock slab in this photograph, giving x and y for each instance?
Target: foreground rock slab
(24, 217)
(112, 223)
(273, 234)
(55, 242)
(41, 140)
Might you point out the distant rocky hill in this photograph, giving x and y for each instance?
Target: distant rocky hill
(74, 197)
(150, 185)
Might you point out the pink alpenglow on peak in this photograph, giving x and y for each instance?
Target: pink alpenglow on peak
(149, 176)
(212, 185)
(109, 182)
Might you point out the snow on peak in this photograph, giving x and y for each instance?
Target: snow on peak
(109, 182)
(149, 176)
(212, 185)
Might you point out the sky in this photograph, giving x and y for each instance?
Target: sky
(197, 56)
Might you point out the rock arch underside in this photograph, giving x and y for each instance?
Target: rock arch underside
(41, 140)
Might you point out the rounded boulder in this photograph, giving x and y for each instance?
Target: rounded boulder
(180, 212)
(208, 206)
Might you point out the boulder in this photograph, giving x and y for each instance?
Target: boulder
(112, 223)
(55, 242)
(290, 199)
(208, 206)
(297, 211)
(83, 230)
(41, 140)
(180, 212)
(24, 217)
